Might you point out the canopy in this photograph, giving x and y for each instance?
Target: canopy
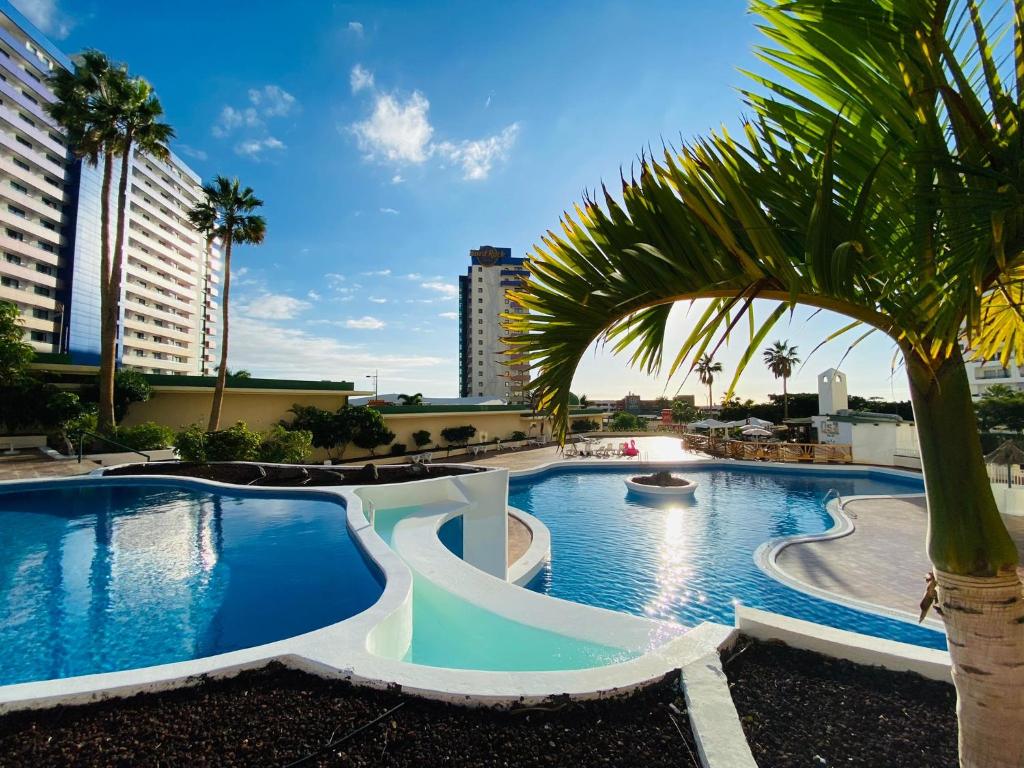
(709, 424)
(756, 422)
(756, 432)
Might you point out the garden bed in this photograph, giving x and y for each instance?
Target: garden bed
(662, 480)
(802, 709)
(291, 477)
(277, 716)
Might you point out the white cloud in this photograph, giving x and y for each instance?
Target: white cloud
(488, 102)
(188, 151)
(477, 157)
(271, 100)
(313, 296)
(356, 28)
(397, 179)
(360, 78)
(377, 273)
(449, 315)
(392, 211)
(365, 323)
(414, 276)
(334, 278)
(448, 290)
(273, 306)
(378, 300)
(47, 15)
(254, 148)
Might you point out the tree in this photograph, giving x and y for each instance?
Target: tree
(241, 373)
(880, 178)
(15, 354)
(1001, 407)
(458, 435)
(226, 214)
(627, 422)
(416, 399)
(369, 431)
(780, 359)
(706, 369)
(584, 401)
(421, 437)
(329, 430)
(683, 413)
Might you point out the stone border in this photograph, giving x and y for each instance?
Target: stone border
(537, 555)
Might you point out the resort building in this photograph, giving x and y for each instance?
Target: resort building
(50, 238)
(483, 298)
(982, 374)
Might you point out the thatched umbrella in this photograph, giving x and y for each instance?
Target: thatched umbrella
(1007, 454)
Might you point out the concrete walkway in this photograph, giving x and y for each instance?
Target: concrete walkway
(882, 562)
(42, 467)
(654, 448)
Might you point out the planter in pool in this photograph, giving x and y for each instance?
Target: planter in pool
(661, 490)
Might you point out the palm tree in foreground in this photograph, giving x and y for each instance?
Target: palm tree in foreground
(881, 177)
(226, 214)
(706, 369)
(780, 359)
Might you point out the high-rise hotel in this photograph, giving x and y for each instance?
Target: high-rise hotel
(483, 369)
(50, 232)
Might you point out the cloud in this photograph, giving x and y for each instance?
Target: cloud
(448, 290)
(192, 152)
(414, 276)
(271, 100)
(449, 315)
(477, 157)
(356, 28)
(377, 273)
(378, 300)
(399, 131)
(47, 15)
(360, 78)
(254, 148)
(392, 211)
(313, 296)
(365, 323)
(274, 306)
(334, 278)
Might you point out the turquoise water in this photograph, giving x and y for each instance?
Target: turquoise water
(692, 560)
(112, 575)
(450, 632)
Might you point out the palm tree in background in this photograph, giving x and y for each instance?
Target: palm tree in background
(226, 214)
(880, 177)
(780, 359)
(416, 399)
(706, 369)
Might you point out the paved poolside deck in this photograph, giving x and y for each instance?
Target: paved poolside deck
(882, 562)
(42, 467)
(654, 448)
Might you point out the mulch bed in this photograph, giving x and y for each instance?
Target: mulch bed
(661, 480)
(292, 477)
(276, 716)
(803, 709)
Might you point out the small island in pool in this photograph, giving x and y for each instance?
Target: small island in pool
(661, 484)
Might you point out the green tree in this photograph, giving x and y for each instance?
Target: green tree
(331, 431)
(458, 435)
(1001, 407)
(706, 369)
(626, 422)
(15, 354)
(226, 213)
(780, 359)
(416, 399)
(421, 437)
(369, 431)
(879, 177)
(683, 413)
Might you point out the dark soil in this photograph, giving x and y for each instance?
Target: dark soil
(292, 477)
(803, 709)
(276, 716)
(662, 480)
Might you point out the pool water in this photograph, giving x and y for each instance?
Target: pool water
(691, 560)
(98, 577)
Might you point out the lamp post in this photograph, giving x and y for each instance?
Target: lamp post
(375, 377)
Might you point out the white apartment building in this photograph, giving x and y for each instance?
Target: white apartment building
(483, 368)
(982, 374)
(50, 232)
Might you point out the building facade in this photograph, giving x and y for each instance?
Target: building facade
(483, 298)
(50, 238)
(982, 374)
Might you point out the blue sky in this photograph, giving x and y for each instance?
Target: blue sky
(389, 138)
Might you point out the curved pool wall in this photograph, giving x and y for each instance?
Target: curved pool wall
(369, 648)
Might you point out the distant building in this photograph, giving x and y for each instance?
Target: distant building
(982, 374)
(633, 403)
(482, 352)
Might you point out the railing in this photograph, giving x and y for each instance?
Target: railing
(816, 453)
(1000, 474)
(81, 445)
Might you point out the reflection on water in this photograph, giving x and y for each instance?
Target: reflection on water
(102, 577)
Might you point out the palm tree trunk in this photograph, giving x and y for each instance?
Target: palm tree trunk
(710, 404)
(785, 400)
(978, 590)
(113, 309)
(108, 308)
(222, 372)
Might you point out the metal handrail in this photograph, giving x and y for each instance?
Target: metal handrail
(81, 445)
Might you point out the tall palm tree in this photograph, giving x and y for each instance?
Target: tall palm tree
(416, 399)
(780, 359)
(226, 214)
(880, 177)
(706, 369)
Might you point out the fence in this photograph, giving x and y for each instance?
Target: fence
(997, 473)
(816, 453)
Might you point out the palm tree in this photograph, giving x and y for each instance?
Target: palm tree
(706, 369)
(226, 214)
(584, 401)
(416, 399)
(780, 359)
(879, 177)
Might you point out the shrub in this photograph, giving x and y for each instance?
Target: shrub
(190, 444)
(398, 449)
(517, 435)
(369, 430)
(458, 435)
(421, 438)
(145, 437)
(284, 446)
(627, 422)
(584, 425)
(85, 421)
(237, 443)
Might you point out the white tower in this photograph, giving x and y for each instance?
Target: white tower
(832, 392)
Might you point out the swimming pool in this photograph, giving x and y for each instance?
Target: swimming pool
(692, 560)
(112, 575)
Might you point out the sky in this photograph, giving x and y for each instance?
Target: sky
(387, 139)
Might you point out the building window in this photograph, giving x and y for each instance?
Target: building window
(42, 290)
(11, 258)
(9, 282)
(16, 211)
(41, 336)
(23, 165)
(19, 188)
(40, 314)
(44, 269)
(23, 141)
(15, 235)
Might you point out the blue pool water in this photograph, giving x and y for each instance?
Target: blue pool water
(692, 561)
(102, 577)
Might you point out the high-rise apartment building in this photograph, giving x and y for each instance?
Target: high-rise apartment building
(50, 232)
(482, 300)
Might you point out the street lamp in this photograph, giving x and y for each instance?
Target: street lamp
(375, 377)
